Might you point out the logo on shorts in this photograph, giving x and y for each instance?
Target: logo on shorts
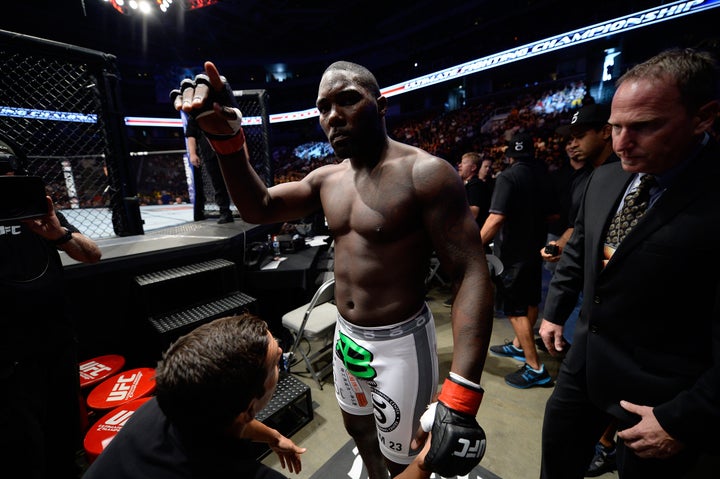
(387, 412)
(355, 358)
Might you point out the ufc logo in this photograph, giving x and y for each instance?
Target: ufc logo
(123, 388)
(119, 419)
(10, 230)
(93, 368)
(467, 451)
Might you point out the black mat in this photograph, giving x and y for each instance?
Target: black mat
(346, 463)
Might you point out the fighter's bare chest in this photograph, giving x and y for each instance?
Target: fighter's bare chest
(370, 209)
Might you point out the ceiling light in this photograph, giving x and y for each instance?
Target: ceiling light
(146, 7)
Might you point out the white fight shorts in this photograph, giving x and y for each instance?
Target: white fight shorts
(391, 372)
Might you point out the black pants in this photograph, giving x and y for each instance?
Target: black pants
(40, 415)
(222, 198)
(573, 425)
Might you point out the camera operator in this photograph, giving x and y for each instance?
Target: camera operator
(39, 409)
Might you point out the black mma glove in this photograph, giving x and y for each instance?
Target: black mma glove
(224, 131)
(457, 442)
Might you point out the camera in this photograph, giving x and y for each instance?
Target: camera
(22, 197)
(552, 249)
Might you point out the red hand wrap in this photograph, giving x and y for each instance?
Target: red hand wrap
(459, 398)
(230, 145)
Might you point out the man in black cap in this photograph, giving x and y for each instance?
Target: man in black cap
(517, 222)
(39, 409)
(589, 133)
(590, 141)
(588, 137)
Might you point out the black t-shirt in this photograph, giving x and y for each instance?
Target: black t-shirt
(522, 194)
(575, 192)
(32, 299)
(149, 445)
(578, 183)
(560, 185)
(479, 194)
(193, 130)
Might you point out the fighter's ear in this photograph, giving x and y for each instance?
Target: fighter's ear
(382, 105)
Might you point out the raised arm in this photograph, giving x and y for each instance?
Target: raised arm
(210, 101)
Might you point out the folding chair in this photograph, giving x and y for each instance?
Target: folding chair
(433, 273)
(314, 321)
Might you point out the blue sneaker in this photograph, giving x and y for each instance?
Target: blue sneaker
(604, 461)
(507, 350)
(526, 377)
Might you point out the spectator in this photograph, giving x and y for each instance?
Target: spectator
(474, 189)
(468, 170)
(487, 184)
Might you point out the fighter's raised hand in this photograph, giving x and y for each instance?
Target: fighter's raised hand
(209, 99)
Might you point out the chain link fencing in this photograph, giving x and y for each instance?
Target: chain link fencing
(253, 105)
(60, 104)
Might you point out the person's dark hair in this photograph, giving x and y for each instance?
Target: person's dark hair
(362, 75)
(12, 158)
(695, 73)
(210, 375)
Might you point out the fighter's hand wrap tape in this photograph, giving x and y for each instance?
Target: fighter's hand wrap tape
(223, 97)
(224, 129)
(461, 397)
(227, 146)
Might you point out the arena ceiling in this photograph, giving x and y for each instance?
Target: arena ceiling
(248, 39)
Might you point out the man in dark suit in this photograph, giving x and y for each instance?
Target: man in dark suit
(646, 349)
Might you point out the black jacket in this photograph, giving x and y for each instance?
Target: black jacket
(649, 330)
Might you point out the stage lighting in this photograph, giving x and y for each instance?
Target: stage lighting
(147, 7)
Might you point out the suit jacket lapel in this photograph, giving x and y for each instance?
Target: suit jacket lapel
(614, 186)
(687, 186)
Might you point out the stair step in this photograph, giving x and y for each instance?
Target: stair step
(164, 291)
(289, 410)
(191, 317)
(170, 274)
(289, 389)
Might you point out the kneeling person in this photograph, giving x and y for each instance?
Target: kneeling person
(210, 385)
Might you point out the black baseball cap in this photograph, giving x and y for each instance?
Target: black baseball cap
(587, 116)
(521, 145)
